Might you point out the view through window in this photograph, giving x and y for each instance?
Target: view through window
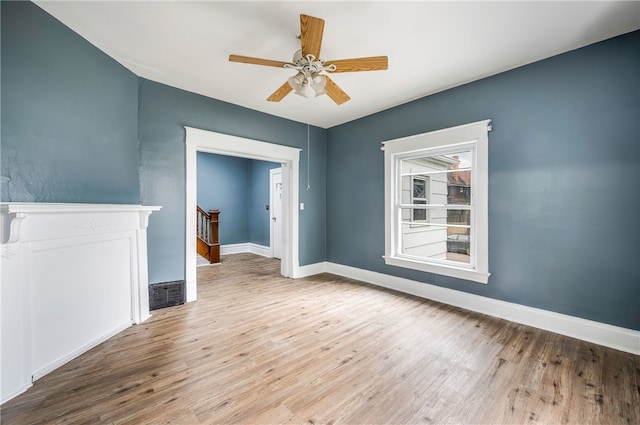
(439, 206)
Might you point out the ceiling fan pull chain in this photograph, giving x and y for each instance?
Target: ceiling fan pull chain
(308, 160)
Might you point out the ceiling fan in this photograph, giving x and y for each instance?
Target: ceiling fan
(310, 67)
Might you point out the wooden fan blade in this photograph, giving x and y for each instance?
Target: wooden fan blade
(279, 94)
(256, 61)
(373, 63)
(335, 92)
(311, 30)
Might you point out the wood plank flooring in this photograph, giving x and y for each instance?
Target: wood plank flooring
(257, 348)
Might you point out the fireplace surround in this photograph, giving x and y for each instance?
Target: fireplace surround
(73, 275)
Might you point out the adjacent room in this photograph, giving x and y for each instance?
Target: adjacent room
(356, 212)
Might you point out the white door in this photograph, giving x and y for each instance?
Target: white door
(275, 179)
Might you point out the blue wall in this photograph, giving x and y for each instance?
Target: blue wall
(163, 113)
(79, 127)
(564, 162)
(239, 188)
(69, 115)
(564, 173)
(223, 184)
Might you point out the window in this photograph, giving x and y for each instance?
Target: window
(436, 209)
(419, 196)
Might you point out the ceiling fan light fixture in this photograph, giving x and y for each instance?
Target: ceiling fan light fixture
(303, 91)
(318, 84)
(297, 81)
(300, 84)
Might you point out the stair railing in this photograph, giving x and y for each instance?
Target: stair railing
(203, 226)
(207, 232)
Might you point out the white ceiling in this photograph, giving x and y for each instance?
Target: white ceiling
(431, 46)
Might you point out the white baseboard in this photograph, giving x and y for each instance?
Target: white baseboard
(265, 251)
(588, 330)
(239, 248)
(309, 270)
(80, 350)
(235, 248)
(6, 397)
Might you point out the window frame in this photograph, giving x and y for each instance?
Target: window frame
(473, 136)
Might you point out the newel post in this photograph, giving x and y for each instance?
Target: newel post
(213, 235)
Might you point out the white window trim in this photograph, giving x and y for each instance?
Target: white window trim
(473, 134)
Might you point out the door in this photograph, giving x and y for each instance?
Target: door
(275, 180)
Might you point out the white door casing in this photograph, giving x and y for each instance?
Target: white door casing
(275, 210)
(198, 140)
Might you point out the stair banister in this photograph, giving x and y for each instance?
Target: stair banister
(208, 244)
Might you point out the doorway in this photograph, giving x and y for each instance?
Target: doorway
(198, 140)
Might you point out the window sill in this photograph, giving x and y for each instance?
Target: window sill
(445, 270)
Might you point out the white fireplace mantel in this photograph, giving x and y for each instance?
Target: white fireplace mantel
(72, 276)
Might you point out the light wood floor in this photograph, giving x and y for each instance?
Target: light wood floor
(260, 349)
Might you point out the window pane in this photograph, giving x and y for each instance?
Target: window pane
(444, 236)
(459, 246)
(437, 179)
(459, 217)
(419, 190)
(424, 241)
(436, 242)
(419, 214)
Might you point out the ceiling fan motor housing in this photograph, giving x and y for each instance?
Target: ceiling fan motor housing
(308, 65)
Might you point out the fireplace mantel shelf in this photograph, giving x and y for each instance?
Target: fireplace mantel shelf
(15, 212)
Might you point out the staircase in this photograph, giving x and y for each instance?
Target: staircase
(208, 244)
